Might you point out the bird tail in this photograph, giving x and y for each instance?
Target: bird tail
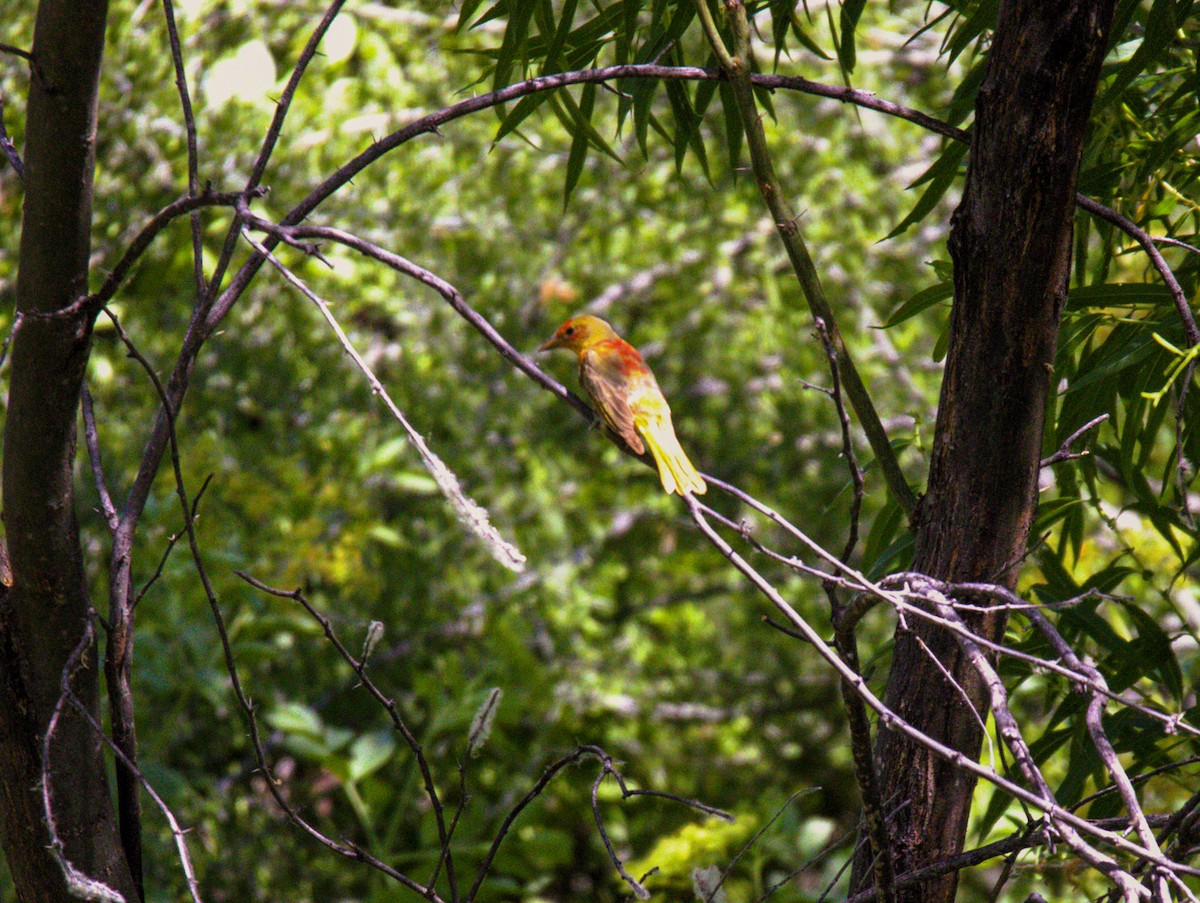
(677, 473)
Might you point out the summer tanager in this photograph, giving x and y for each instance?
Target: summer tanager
(627, 397)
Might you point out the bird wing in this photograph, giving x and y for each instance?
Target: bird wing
(605, 373)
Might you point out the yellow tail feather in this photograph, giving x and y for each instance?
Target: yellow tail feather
(677, 473)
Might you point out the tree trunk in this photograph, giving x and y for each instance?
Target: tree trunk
(43, 615)
(1011, 246)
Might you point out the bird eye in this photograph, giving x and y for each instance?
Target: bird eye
(568, 330)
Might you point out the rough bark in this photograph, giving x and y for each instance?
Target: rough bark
(43, 614)
(1011, 247)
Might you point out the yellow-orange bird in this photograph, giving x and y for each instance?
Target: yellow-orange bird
(627, 397)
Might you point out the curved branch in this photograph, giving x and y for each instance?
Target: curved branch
(145, 237)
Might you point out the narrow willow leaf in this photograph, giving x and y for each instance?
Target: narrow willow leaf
(519, 113)
(734, 135)
(806, 39)
(643, 106)
(1160, 30)
(575, 161)
(560, 35)
(982, 19)
(686, 120)
(851, 12)
(946, 169)
(922, 300)
(513, 44)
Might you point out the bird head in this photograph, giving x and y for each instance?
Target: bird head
(578, 333)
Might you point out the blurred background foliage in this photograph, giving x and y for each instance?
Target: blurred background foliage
(626, 630)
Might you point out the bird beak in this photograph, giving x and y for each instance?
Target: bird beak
(548, 345)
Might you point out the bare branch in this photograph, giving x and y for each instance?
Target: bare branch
(80, 885)
(1008, 729)
(193, 153)
(470, 514)
(6, 145)
(348, 850)
(451, 295)
(638, 891)
(1064, 452)
(177, 831)
(753, 840)
(172, 540)
(272, 136)
(92, 438)
(145, 238)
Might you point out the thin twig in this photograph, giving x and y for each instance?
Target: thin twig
(145, 237)
(1010, 731)
(8, 148)
(638, 891)
(193, 154)
(348, 850)
(389, 705)
(172, 540)
(856, 475)
(92, 439)
(754, 839)
(1064, 452)
(272, 135)
(79, 885)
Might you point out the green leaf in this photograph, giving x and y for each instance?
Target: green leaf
(294, 718)
(734, 135)
(369, 753)
(852, 10)
(519, 113)
(922, 300)
(887, 541)
(513, 45)
(560, 33)
(626, 31)
(1122, 294)
(1160, 28)
(981, 19)
(466, 12)
(1117, 356)
(643, 91)
(962, 101)
(687, 125)
(941, 176)
(1152, 652)
(579, 145)
(805, 37)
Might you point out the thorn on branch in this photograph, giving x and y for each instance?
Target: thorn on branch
(1064, 452)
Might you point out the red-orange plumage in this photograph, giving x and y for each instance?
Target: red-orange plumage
(627, 397)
